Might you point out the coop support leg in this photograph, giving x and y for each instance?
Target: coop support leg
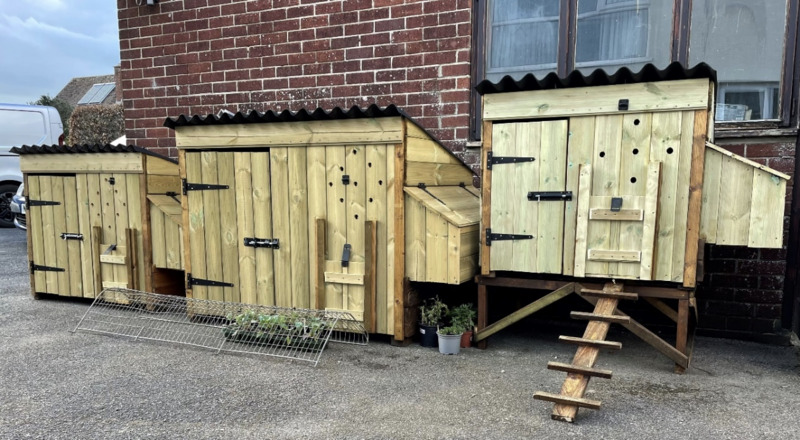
(681, 340)
(483, 314)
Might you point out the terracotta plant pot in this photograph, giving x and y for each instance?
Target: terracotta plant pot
(466, 339)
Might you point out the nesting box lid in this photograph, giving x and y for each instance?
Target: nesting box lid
(86, 158)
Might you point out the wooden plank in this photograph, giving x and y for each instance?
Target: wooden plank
(650, 223)
(428, 150)
(663, 308)
(228, 227)
(131, 268)
(643, 97)
(690, 159)
(531, 308)
(114, 259)
(712, 176)
(85, 227)
(136, 221)
(552, 177)
(356, 214)
(195, 236)
(336, 235)
(245, 226)
(616, 256)
(344, 278)
(582, 219)
(597, 317)
(468, 266)
(174, 245)
(157, 184)
(185, 230)
(97, 233)
(82, 163)
(48, 233)
(144, 253)
(109, 226)
(695, 197)
(395, 177)
(591, 342)
(281, 225)
(736, 190)
(456, 204)
(436, 248)
(523, 216)
(319, 263)
(766, 212)
(393, 184)
(299, 133)
(453, 259)
(317, 207)
(621, 215)
(60, 225)
(74, 261)
(115, 284)
(120, 191)
(665, 148)
(486, 197)
(566, 400)
(370, 267)
(606, 294)
(35, 220)
(299, 228)
(746, 161)
(158, 166)
(159, 245)
(568, 368)
(29, 241)
(437, 174)
(209, 166)
(416, 238)
(503, 208)
(579, 152)
(262, 225)
(376, 212)
(681, 339)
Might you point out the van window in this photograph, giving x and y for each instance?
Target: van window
(23, 128)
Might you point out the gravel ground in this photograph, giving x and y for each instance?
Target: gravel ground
(55, 384)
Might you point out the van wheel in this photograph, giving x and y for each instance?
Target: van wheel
(7, 192)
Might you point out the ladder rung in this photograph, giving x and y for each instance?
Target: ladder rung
(606, 294)
(565, 400)
(591, 342)
(596, 317)
(586, 371)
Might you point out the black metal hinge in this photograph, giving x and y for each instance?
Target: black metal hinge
(494, 160)
(30, 203)
(35, 267)
(71, 236)
(544, 196)
(272, 243)
(192, 281)
(496, 237)
(200, 186)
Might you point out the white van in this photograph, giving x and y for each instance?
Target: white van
(22, 125)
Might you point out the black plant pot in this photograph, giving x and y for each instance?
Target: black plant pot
(428, 335)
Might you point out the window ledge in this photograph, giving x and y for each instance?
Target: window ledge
(749, 132)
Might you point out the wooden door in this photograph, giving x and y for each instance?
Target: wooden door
(231, 240)
(528, 184)
(618, 200)
(57, 240)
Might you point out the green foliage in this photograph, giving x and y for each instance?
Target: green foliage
(463, 316)
(96, 124)
(432, 311)
(64, 110)
(294, 330)
(451, 330)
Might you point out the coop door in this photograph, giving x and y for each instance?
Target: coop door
(231, 239)
(528, 186)
(58, 241)
(618, 201)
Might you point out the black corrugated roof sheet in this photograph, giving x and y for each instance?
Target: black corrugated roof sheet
(599, 77)
(373, 111)
(85, 149)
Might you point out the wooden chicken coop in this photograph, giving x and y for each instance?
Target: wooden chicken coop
(88, 218)
(607, 186)
(320, 210)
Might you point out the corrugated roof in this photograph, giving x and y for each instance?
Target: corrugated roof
(85, 149)
(649, 73)
(319, 114)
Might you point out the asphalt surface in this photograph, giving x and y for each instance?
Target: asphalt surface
(59, 385)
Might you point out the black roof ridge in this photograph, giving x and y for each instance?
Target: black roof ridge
(598, 77)
(86, 149)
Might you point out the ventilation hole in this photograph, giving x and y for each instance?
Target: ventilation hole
(356, 216)
(341, 200)
(670, 150)
(355, 152)
(633, 180)
(635, 151)
(602, 154)
(355, 183)
(380, 182)
(341, 168)
(370, 199)
(369, 164)
(330, 183)
(636, 122)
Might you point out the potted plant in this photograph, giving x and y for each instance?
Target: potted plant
(432, 312)
(464, 316)
(450, 339)
(296, 331)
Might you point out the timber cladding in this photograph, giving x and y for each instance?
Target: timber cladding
(609, 182)
(88, 219)
(311, 213)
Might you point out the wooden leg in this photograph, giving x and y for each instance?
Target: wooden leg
(483, 313)
(682, 332)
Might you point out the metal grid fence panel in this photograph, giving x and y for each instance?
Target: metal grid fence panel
(300, 334)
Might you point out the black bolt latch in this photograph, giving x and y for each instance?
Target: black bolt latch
(346, 255)
(616, 204)
(623, 105)
(346, 179)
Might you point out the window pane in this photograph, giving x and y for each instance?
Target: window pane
(622, 33)
(523, 38)
(743, 41)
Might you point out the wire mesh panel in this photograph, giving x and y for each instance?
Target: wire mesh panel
(300, 334)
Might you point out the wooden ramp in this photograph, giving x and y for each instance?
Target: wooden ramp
(582, 368)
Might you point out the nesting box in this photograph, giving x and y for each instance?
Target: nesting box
(603, 177)
(88, 217)
(309, 210)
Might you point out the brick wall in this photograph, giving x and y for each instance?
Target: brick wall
(201, 56)
(742, 292)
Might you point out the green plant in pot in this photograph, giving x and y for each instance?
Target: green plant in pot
(464, 316)
(450, 339)
(432, 313)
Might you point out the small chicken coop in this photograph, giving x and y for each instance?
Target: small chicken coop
(319, 209)
(88, 216)
(604, 184)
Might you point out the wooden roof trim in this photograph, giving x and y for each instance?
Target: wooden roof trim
(430, 202)
(748, 161)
